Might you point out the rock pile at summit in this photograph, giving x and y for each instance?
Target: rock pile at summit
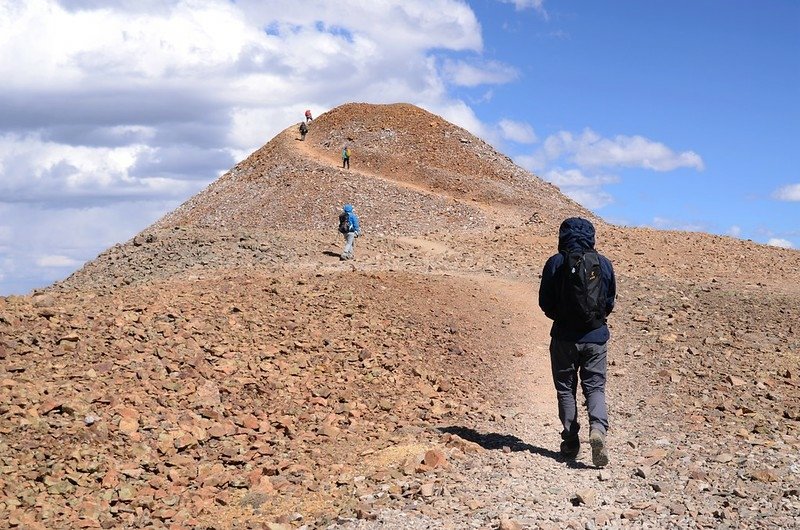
(223, 369)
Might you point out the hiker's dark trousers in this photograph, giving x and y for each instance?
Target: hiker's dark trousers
(569, 360)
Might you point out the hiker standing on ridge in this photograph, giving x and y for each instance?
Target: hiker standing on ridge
(303, 130)
(309, 119)
(350, 228)
(346, 157)
(577, 292)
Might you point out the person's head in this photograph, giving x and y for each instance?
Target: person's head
(575, 233)
(348, 208)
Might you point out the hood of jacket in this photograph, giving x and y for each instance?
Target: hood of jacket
(348, 208)
(575, 233)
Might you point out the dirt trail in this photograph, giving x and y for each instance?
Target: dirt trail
(325, 158)
(528, 377)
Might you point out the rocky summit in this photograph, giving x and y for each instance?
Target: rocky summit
(224, 369)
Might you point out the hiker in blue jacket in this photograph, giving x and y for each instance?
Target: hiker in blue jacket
(578, 344)
(350, 228)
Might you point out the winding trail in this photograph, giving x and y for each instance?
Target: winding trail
(527, 380)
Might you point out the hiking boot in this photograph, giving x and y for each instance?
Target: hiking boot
(570, 448)
(597, 440)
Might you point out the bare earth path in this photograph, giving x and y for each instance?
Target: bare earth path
(224, 369)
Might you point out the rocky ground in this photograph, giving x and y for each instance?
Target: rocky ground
(224, 369)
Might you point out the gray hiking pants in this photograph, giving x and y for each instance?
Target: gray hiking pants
(569, 360)
(349, 243)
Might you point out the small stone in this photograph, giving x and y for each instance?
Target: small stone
(426, 490)
(329, 430)
(764, 475)
(364, 511)
(49, 406)
(184, 441)
(128, 425)
(736, 381)
(434, 458)
(254, 499)
(587, 497)
(507, 523)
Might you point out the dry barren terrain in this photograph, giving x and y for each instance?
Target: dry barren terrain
(223, 369)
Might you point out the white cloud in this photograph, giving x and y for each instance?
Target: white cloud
(575, 177)
(133, 106)
(589, 149)
(588, 152)
(735, 231)
(778, 242)
(586, 190)
(538, 5)
(789, 192)
(57, 261)
(521, 133)
(664, 223)
(589, 198)
(461, 73)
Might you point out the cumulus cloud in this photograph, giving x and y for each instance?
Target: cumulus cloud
(589, 198)
(735, 231)
(789, 192)
(129, 107)
(462, 73)
(575, 177)
(576, 162)
(589, 149)
(56, 261)
(521, 133)
(664, 223)
(586, 190)
(779, 242)
(538, 5)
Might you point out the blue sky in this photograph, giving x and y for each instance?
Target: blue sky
(675, 115)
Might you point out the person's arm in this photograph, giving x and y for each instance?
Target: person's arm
(355, 223)
(548, 296)
(611, 285)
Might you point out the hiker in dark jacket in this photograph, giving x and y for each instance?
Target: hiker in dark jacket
(350, 228)
(578, 348)
(303, 130)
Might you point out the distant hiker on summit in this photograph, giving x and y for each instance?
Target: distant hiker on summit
(577, 292)
(346, 157)
(309, 119)
(303, 130)
(350, 228)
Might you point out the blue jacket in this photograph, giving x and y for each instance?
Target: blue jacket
(352, 217)
(575, 233)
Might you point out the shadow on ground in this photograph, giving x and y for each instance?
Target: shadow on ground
(496, 441)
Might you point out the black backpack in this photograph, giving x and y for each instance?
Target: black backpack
(344, 223)
(582, 296)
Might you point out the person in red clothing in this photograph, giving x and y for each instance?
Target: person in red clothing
(309, 119)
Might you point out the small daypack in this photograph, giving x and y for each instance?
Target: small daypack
(582, 300)
(345, 225)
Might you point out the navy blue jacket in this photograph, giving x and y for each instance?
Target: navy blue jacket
(574, 233)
